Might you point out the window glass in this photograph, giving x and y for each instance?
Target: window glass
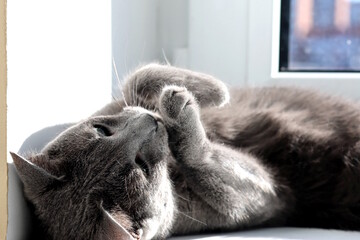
(320, 35)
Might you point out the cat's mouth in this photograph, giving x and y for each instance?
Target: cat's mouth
(137, 234)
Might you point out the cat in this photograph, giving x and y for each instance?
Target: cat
(182, 154)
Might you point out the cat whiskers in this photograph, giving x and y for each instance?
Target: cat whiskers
(138, 98)
(151, 105)
(119, 81)
(141, 94)
(131, 93)
(186, 215)
(136, 91)
(183, 198)
(194, 219)
(127, 192)
(117, 101)
(145, 101)
(78, 135)
(165, 58)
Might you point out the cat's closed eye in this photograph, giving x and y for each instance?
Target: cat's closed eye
(102, 130)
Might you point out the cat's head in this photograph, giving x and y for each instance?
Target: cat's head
(104, 178)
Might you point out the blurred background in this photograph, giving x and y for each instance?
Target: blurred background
(64, 56)
(321, 35)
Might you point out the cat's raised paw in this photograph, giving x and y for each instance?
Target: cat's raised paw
(143, 86)
(175, 100)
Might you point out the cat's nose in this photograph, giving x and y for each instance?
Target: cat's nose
(157, 118)
(144, 112)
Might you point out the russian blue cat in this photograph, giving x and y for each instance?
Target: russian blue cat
(181, 154)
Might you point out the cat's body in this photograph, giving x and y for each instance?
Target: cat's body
(309, 143)
(269, 157)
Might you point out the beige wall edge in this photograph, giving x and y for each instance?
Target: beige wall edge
(3, 87)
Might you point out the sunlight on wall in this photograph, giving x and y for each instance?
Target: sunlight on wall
(59, 63)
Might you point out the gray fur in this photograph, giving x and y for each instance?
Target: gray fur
(270, 157)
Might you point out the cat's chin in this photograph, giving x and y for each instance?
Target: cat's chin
(148, 231)
(150, 228)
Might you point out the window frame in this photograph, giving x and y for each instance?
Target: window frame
(284, 37)
(263, 62)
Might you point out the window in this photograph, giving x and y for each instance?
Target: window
(320, 36)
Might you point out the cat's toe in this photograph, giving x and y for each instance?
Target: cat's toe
(174, 100)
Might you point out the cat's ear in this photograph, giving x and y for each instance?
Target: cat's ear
(111, 229)
(33, 176)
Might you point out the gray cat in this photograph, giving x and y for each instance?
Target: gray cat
(176, 156)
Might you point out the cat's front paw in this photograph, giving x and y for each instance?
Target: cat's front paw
(181, 117)
(177, 104)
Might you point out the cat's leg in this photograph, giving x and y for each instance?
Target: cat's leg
(143, 86)
(234, 184)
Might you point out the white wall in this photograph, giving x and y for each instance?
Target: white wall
(59, 70)
(145, 31)
(59, 63)
(218, 35)
(204, 35)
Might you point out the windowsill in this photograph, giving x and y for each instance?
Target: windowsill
(315, 75)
